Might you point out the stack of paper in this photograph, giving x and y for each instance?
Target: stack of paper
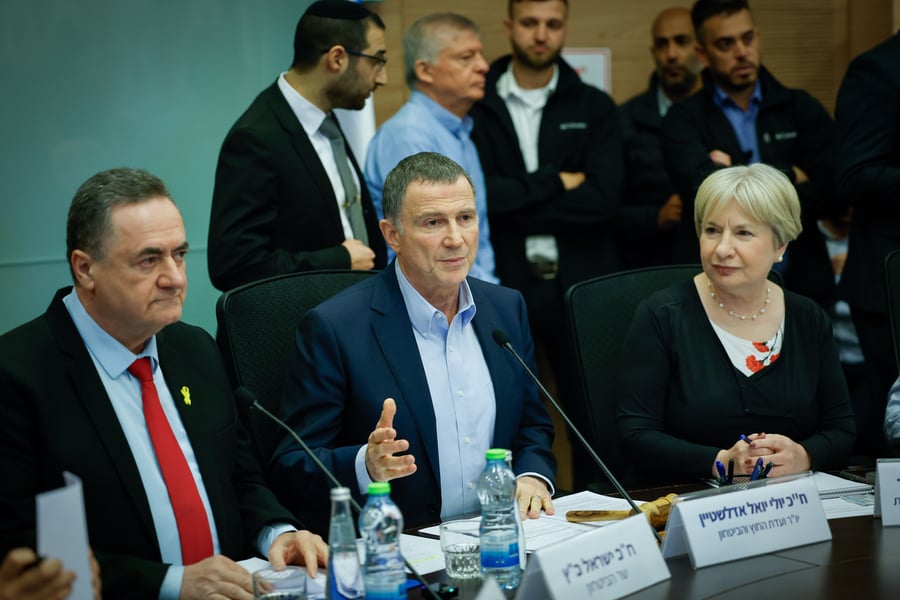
(844, 498)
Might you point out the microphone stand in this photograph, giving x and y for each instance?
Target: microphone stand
(353, 503)
(503, 340)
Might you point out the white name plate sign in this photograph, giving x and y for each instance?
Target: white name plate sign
(735, 522)
(887, 491)
(608, 562)
(490, 590)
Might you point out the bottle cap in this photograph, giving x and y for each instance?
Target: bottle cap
(496, 454)
(340, 493)
(379, 488)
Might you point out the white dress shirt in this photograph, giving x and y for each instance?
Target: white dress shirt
(311, 118)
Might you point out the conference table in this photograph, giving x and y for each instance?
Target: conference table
(862, 560)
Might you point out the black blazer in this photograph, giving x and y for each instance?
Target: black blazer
(57, 416)
(579, 131)
(792, 128)
(273, 209)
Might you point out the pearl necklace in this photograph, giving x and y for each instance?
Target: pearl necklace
(731, 313)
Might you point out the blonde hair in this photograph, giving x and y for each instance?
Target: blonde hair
(763, 192)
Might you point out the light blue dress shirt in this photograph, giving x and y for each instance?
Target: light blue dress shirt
(462, 395)
(310, 118)
(112, 359)
(742, 121)
(422, 125)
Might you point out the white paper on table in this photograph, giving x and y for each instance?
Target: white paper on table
(849, 506)
(588, 501)
(550, 529)
(254, 564)
(62, 532)
(422, 553)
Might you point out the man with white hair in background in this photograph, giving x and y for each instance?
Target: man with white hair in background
(445, 71)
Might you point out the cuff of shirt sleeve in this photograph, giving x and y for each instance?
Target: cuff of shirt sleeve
(267, 535)
(362, 473)
(171, 585)
(542, 478)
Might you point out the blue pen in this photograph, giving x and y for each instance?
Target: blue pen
(757, 469)
(745, 438)
(720, 469)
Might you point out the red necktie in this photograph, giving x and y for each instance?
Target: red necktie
(191, 517)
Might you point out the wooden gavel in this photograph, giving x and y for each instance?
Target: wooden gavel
(657, 513)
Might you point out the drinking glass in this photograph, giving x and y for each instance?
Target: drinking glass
(288, 583)
(459, 543)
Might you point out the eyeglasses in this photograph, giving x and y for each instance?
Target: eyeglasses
(380, 61)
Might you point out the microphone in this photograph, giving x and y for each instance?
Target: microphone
(503, 341)
(247, 400)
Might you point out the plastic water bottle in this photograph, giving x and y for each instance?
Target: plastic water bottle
(344, 573)
(380, 524)
(499, 531)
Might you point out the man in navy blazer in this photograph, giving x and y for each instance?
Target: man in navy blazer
(398, 379)
(279, 204)
(70, 403)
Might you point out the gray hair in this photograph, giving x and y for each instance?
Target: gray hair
(763, 192)
(424, 167)
(89, 225)
(430, 34)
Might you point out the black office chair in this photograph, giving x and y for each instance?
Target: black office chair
(892, 283)
(598, 314)
(257, 322)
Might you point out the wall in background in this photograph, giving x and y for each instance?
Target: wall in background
(103, 83)
(96, 84)
(806, 43)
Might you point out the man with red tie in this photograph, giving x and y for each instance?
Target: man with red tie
(110, 385)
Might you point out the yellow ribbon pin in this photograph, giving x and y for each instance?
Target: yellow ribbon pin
(187, 395)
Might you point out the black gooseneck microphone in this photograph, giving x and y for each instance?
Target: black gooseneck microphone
(503, 341)
(247, 400)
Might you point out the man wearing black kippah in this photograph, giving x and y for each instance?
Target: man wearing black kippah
(289, 195)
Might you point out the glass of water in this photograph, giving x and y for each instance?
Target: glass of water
(459, 543)
(288, 583)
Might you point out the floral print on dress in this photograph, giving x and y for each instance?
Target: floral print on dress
(763, 357)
